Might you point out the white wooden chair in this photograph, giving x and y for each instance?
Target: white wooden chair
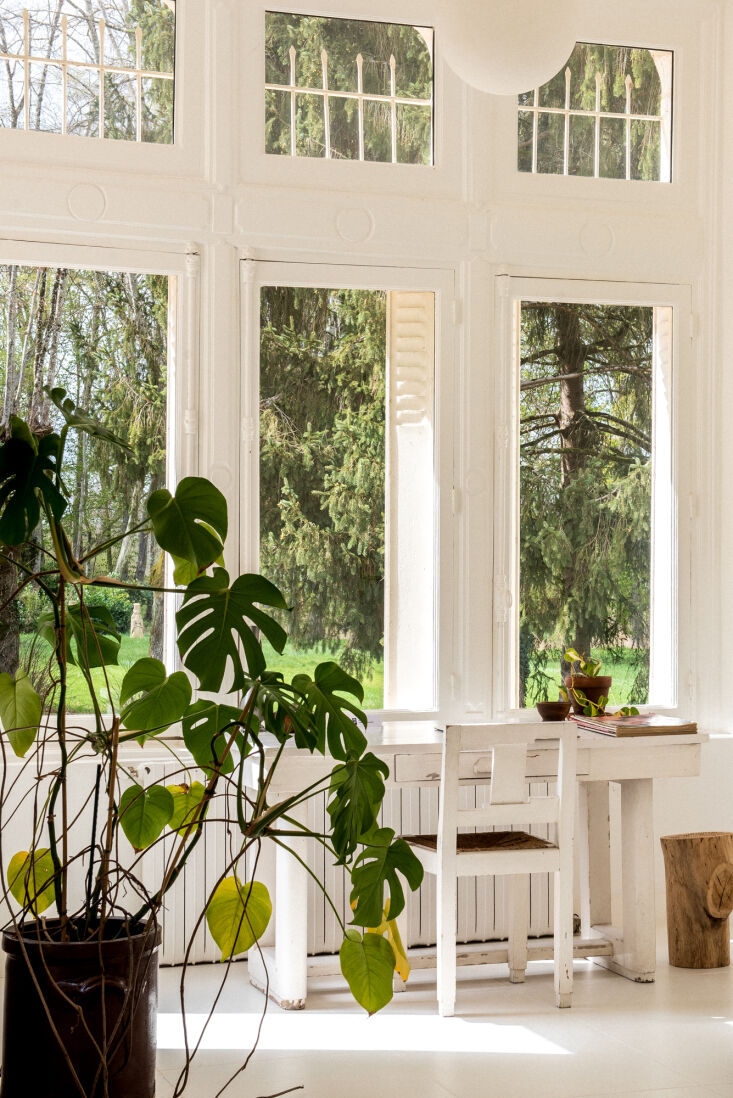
(450, 855)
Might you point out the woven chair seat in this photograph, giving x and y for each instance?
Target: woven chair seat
(484, 840)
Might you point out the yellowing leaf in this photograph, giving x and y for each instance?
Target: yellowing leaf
(30, 879)
(186, 804)
(238, 915)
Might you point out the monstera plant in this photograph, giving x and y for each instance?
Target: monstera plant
(82, 931)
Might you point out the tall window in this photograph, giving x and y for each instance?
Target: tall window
(102, 336)
(347, 484)
(99, 69)
(594, 492)
(608, 114)
(347, 89)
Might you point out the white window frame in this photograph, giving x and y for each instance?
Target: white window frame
(672, 644)
(373, 177)
(256, 274)
(185, 154)
(182, 269)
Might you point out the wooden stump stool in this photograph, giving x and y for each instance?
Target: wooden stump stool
(699, 877)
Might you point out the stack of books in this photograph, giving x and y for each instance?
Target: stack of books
(645, 724)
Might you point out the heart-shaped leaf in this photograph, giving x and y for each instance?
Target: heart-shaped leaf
(203, 736)
(186, 804)
(238, 915)
(20, 711)
(30, 879)
(27, 465)
(144, 813)
(161, 699)
(368, 965)
(331, 714)
(215, 618)
(382, 859)
(357, 788)
(191, 525)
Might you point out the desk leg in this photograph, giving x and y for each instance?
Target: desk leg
(635, 951)
(287, 962)
(594, 856)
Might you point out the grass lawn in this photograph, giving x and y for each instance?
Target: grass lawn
(293, 661)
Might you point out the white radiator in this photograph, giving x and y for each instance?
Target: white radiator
(409, 810)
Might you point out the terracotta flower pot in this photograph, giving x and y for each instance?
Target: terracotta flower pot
(593, 686)
(553, 710)
(69, 975)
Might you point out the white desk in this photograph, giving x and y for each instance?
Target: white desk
(413, 754)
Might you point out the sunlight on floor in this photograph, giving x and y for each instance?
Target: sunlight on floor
(307, 1032)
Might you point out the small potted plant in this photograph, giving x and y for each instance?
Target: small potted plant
(584, 683)
(555, 710)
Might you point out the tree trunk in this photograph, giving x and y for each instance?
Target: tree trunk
(574, 435)
(9, 620)
(8, 404)
(699, 877)
(123, 558)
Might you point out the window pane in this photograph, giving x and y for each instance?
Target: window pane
(322, 472)
(550, 143)
(85, 35)
(309, 126)
(645, 150)
(613, 148)
(11, 97)
(344, 128)
(102, 336)
(581, 154)
(524, 150)
(615, 80)
(347, 483)
(586, 383)
(277, 122)
(337, 50)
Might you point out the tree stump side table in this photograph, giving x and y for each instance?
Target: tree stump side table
(699, 878)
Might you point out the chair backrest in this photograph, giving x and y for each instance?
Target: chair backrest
(509, 802)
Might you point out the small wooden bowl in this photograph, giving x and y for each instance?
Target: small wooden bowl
(553, 711)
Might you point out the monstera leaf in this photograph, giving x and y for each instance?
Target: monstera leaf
(357, 787)
(368, 965)
(20, 710)
(144, 813)
(30, 879)
(382, 859)
(215, 618)
(331, 714)
(191, 525)
(91, 637)
(83, 421)
(159, 699)
(238, 915)
(27, 465)
(203, 736)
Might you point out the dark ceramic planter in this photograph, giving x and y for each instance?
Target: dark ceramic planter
(554, 710)
(122, 972)
(593, 686)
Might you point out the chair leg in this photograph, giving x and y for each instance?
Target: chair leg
(563, 932)
(517, 893)
(446, 959)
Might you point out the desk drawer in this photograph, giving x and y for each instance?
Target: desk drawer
(474, 765)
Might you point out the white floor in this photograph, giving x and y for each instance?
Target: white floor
(671, 1039)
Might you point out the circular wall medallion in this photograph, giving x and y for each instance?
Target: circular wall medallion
(596, 238)
(86, 202)
(355, 225)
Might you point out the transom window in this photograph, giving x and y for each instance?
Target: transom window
(348, 89)
(608, 115)
(99, 69)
